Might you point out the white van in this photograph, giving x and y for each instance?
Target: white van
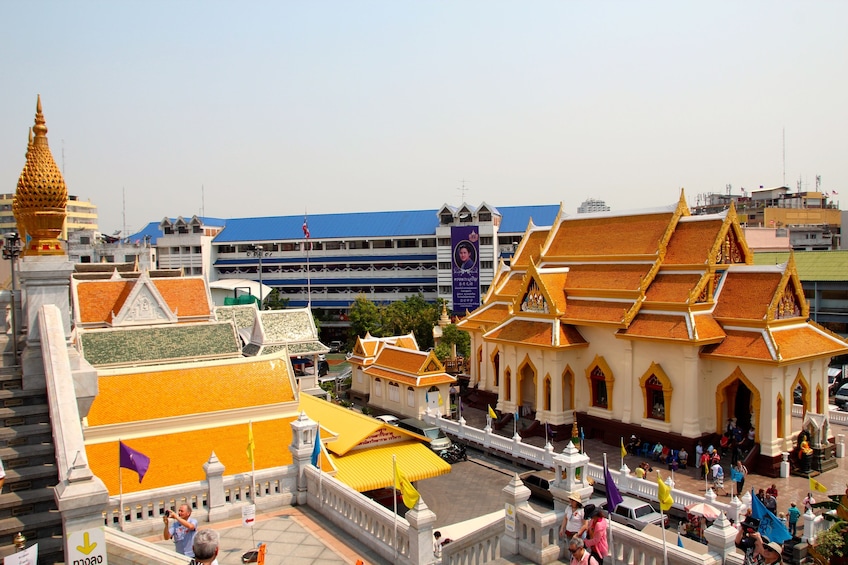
(841, 397)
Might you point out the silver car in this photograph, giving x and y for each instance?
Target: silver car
(637, 514)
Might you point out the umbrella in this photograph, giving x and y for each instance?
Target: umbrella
(703, 509)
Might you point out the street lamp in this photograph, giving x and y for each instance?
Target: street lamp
(12, 248)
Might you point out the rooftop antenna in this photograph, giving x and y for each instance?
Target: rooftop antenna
(784, 156)
(124, 209)
(818, 183)
(729, 188)
(463, 190)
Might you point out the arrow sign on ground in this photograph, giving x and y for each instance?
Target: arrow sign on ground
(89, 545)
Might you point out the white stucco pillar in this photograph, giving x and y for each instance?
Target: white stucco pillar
(691, 394)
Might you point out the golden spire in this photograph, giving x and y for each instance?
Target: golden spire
(41, 198)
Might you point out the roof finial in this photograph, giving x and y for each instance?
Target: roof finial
(40, 127)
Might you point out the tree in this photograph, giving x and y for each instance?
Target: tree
(365, 317)
(414, 315)
(452, 335)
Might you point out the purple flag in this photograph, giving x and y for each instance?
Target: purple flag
(133, 460)
(613, 496)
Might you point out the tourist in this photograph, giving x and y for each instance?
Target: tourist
(657, 451)
(579, 555)
(808, 502)
(573, 520)
(596, 538)
(683, 457)
(437, 544)
(770, 503)
(772, 490)
(206, 547)
(792, 518)
(182, 530)
(741, 470)
(718, 478)
(2, 475)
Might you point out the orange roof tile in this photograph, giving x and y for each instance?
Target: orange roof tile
(806, 341)
(707, 328)
(554, 284)
(671, 288)
(744, 345)
(596, 311)
(692, 241)
(531, 248)
(512, 286)
(177, 391)
(405, 360)
(98, 300)
(620, 277)
(659, 326)
(610, 235)
(746, 294)
(185, 297)
(569, 335)
(179, 458)
(524, 331)
(426, 380)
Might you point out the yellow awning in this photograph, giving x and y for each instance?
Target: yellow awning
(371, 468)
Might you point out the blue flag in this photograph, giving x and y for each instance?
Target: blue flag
(735, 475)
(679, 541)
(582, 437)
(770, 526)
(316, 449)
(613, 496)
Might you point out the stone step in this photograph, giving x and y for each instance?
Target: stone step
(37, 476)
(50, 550)
(27, 454)
(28, 434)
(24, 415)
(26, 502)
(13, 397)
(33, 526)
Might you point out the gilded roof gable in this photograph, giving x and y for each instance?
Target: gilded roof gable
(542, 292)
(530, 248)
(788, 301)
(144, 305)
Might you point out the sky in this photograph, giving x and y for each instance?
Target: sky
(249, 109)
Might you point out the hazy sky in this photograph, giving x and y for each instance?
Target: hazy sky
(280, 107)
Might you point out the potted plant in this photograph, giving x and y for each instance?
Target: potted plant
(830, 546)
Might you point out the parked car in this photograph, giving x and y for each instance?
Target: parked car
(336, 346)
(637, 514)
(389, 419)
(841, 397)
(438, 439)
(539, 483)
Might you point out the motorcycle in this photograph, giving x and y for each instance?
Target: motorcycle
(454, 454)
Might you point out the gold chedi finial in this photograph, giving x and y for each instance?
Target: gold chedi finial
(41, 197)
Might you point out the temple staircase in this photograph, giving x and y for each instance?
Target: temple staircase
(27, 503)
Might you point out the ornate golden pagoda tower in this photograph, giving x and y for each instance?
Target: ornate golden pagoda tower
(41, 197)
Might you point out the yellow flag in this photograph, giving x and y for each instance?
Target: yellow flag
(492, 412)
(410, 495)
(251, 446)
(623, 449)
(663, 494)
(440, 399)
(817, 486)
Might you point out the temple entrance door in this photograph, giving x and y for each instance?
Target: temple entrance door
(738, 403)
(527, 385)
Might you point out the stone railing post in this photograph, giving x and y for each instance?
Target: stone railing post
(721, 538)
(516, 496)
(809, 527)
(421, 520)
(304, 432)
(214, 470)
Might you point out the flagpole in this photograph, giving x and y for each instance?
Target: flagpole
(609, 512)
(622, 453)
(662, 524)
(120, 486)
